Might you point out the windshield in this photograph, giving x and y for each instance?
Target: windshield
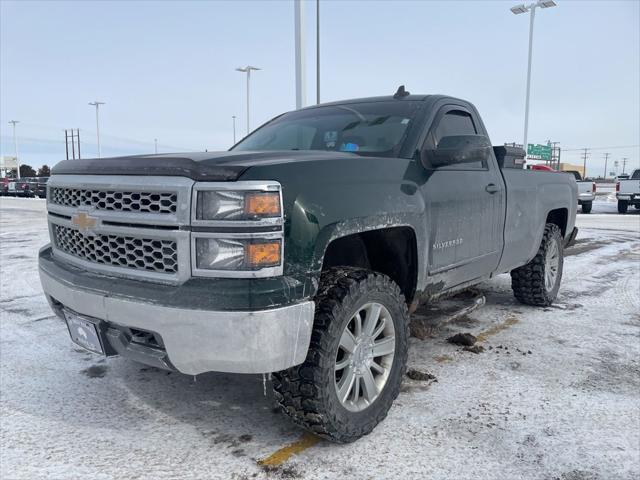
(636, 175)
(376, 129)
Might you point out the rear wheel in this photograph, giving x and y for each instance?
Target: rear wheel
(586, 207)
(356, 359)
(537, 282)
(623, 206)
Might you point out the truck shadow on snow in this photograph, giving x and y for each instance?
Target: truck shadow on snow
(228, 410)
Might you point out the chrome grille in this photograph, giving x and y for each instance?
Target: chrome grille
(148, 254)
(119, 201)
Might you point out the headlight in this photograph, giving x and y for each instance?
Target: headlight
(237, 254)
(232, 205)
(237, 229)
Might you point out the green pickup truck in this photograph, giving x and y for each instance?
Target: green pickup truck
(302, 250)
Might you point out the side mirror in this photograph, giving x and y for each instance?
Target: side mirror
(458, 149)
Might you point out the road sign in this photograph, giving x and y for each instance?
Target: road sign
(540, 152)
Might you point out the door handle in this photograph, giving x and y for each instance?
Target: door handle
(492, 188)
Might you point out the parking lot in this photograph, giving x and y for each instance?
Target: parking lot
(555, 394)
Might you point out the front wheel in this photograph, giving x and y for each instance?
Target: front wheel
(623, 206)
(537, 283)
(586, 207)
(356, 359)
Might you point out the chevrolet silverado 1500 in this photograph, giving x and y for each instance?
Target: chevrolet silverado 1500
(586, 191)
(301, 251)
(628, 191)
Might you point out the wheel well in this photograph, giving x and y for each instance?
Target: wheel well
(391, 251)
(559, 217)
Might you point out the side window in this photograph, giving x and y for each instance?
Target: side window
(456, 122)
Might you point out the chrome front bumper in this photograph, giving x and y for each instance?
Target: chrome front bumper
(198, 341)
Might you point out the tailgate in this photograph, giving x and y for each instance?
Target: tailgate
(585, 187)
(630, 187)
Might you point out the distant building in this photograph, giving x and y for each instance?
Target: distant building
(8, 164)
(565, 167)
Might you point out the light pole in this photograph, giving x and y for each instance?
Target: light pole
(247, 70)
(234, 128)
(517, 10)
(301, 91)
(318, 51)
(15, 144)
(155, 144)
(606, 158)
(97, 105)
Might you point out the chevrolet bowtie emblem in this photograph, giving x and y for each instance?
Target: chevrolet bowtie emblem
(84, 222)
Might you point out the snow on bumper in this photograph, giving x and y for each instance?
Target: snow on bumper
(198, 341)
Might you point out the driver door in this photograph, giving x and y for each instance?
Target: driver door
(465, 208)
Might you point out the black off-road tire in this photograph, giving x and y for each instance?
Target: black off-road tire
(623, 206)
(528, 281)
(306, 392)
(586, 207)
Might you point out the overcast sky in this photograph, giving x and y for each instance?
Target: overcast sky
(166, 69)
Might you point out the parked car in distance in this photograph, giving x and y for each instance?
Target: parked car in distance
(586, 191)
(20, 187)
(39, 186)
(4, 186)
(301, 251)
(628, 191)
(542, 168)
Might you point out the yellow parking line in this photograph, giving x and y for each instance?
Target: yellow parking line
(482, 336)
(280, 456)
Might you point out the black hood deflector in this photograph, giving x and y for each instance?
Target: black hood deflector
(206, 166)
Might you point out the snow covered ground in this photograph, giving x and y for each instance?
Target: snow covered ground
(555, 394)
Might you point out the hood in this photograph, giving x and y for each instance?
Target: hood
(207, 166)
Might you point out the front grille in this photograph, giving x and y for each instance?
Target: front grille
(119, 201)
(147, 254)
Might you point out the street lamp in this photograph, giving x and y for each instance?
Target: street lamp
(247, 70)
(234, 128)
(97, 105)
(517, 10)
(15, 144)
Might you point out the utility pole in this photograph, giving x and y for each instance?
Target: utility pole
(15, 144)
(247, 70)
(301, 96)
(317, 51)
(555, 155)
(155, 142)
(97, 105)
(585, 154)
(73, 135)
(606, 159)
(624, 164)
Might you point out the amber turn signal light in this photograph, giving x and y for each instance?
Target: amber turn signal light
(260, 255)
(262, 204)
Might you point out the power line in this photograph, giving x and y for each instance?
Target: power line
(600, 148)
